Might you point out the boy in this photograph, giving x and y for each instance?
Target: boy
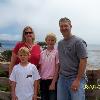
(24, 78)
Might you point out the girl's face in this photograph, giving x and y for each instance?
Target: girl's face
(50, 41)
(29, 35)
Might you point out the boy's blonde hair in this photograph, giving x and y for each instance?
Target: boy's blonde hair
(51, 35)
(24, 50)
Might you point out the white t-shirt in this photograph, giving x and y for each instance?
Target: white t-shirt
(24, 78)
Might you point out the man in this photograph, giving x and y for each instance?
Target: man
(73, 58)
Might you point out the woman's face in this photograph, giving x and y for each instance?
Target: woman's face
(29, 35)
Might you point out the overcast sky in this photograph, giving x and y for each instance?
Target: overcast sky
(43, 16)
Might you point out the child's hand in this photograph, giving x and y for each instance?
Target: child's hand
(34, 97)
(52, 87)
(14, 97)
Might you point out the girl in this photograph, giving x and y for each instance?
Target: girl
(49, 69)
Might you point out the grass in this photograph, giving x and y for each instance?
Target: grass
(4, 73)
(4, 88)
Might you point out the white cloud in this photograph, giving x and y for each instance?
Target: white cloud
(9, 37)
(43, 16)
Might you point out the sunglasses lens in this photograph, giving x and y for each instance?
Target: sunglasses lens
(28, 33)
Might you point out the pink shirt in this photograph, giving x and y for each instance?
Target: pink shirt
(48, 61)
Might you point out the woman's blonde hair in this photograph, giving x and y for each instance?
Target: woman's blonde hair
(51, 35)
(23, 35)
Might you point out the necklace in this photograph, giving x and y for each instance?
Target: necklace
(48, 53)
(29, 46)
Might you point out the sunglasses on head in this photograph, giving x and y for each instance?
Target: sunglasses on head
(28, 33)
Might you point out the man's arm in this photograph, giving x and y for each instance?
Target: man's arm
(82, 67)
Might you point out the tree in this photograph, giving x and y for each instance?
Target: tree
(6, 55)
(43, 45)
(0, 45)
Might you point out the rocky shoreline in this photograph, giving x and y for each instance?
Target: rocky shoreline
(92, 88)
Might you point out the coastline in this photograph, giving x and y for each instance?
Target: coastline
(92, 88)
(88, 66)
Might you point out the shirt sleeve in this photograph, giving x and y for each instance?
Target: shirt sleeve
(13, 75)
(81, 49)
(41, 56)
(36, 75)
(16, 48)
(57, 57)
(40, 60)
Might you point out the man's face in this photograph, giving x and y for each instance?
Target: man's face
(65, 28)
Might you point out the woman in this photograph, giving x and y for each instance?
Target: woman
(28, 38)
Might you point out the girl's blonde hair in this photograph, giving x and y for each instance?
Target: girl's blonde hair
(24, 50)
(51, 35)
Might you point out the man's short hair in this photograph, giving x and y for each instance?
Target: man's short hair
(65, 19)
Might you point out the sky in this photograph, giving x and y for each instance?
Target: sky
(43, 16)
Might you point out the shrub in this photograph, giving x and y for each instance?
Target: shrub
(6, 55)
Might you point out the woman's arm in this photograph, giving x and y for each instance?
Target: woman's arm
(12, 63)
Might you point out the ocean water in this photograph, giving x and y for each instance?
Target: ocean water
(8, 44)
(93, 52)
(94, 55)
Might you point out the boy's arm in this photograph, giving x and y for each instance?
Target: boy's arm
(35, 89)
(13, 94)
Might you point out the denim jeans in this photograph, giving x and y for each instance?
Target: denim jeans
(64, 91)
(47, 94)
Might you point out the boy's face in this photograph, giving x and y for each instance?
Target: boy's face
(50, 41)
(23, 57)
